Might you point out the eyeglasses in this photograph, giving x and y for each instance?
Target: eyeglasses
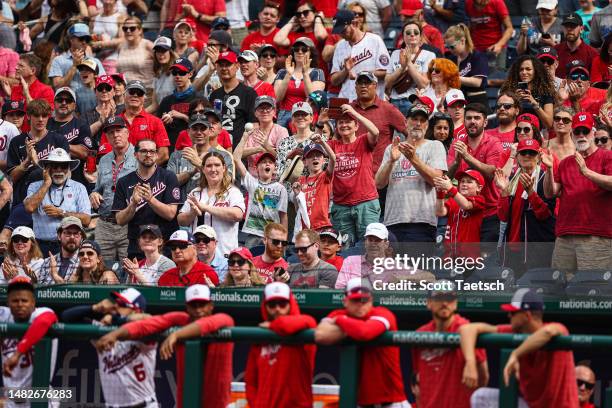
(268, 55)
(236, 262)
(412, 32)
(129, 29)
(582, 131)
(505, 106)
(526, 130)
(565, 120)
(579, 76)
(202, 239)
(174, 247)
(67, 101)
(265, 108)
(302, 49)
(303, 13)
(148, 152)
(531, 153)
(273, 304)
(303, 249)
(176, 72)
(277, 242)
(86, 253)
(359, 14)
(19, 240)
(601, 140)
(136, 92)
(547, 61)
(587, 385)
(104, 88)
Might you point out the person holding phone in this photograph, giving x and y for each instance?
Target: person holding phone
(271, 265)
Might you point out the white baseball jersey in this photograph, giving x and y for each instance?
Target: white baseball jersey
(7, 132)
(370, 54)
(22, 373)
(127, 373)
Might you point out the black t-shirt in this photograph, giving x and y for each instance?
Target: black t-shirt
(17, 154)
(93, 115)
(238, 109)
(475, 64)
(165, 188)
(181, 105)
(77, 132)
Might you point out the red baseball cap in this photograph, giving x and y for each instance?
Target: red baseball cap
(475, 174)
(263, 155)
(529, 118)
(242, 252)
(105, 79)
(583, 119)
(228, 56)
(356, 288)
(425, 100)
(528, 144)
(410, 7)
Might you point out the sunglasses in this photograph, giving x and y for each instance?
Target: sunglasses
(278, 242)
(86, 253)
(176, 72)
(412, 32)
(451, 46)
(200, 240)
(129, 29)
(303, 249)
(268, 55)
(304, 13)
(505, 106)
(435, 70)
(566, 121)
(302, 49)
(587, 385)
(272, 304)
(104, 88)
(19, 240)
(526, 130)
(581, 131)
(359, 14)
(136, 92)
(236, 262)
(64, 100)
(174, 247)
(547, 61)
(601, 140)
(531, 153)
(580, 76)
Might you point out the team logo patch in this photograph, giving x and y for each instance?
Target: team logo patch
(143, 127)
(176, 193)
(87, 142)
(383, 59)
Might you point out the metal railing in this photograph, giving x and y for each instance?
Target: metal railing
(349, 355)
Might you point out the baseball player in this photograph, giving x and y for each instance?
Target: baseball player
(291, 365)
(218, 357)
(440, 370)
(127, 369)
(17, 355)
(547, 378)
(380, 378)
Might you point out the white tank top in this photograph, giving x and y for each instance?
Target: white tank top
(106, 25)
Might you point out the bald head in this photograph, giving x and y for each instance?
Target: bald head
(585, 378)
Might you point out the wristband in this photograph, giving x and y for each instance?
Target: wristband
(441, 195)
(452, 192)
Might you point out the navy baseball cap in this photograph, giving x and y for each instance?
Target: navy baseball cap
(220, 23)
(314, 147)
(183, 64)
(10, 106)
(524, 299)
(342, 19)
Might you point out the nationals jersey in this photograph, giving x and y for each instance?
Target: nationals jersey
(7, 132)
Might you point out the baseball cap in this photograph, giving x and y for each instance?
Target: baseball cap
(89, 63)
(79, 30)
(313, 147)
(572, 19)
(583, 119)
(410, 7)
(23, 231)
(319, 98)
(198, 119)
(417, 109)
(264, 99)
(105, 79)
(20, 282)
(301, 107)
(66, 89)
(213, 112)
(220, 22)
(136, 84)
(70, 222)
(114, 121)
(152, 228)
(421, 101)
(183, 64)
(181, 236)
(453, 96)
(277, 290)
(549, 52)
(12, 106)
(524, 299)
(185, 22)
(342, 19)
(577, 65)
(546, 4)
(242, 252)
(197, 292)
(528, 144)
(131, 298)
(89, 244)
(443, 290)
(367, 74)
(206, 230)
(222, 36)
(304, 40)
(248, 56)
(118, 77)
(262, 156)
(267, 47)
(357, 288)
(330, 232)
(163, 42)
(475, 174)
(229, 56)
(378, 230)
(529, 118)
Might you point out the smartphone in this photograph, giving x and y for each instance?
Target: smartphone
(523, 85)
(546, 35)
(335, 110)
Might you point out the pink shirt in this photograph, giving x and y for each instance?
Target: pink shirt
(276, 134)
(8, 64)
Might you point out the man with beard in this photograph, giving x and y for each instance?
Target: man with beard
(442, 379)
(55, 197)
(549, 57)
(70, 234)
(270, 265)
(481, 152)
(409, 169)
(578, 92)
(291, 365)
(506, 111)
(573, 48)
(583, 228)
(75, 130)
(149, 195)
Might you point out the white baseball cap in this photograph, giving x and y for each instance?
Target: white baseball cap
(357, 288)
(131, 298)
(180, 236)
(25, 232)
(277, 290)
(301, 107)
(197, 292)
(547, 4)
(454, 95)
(206, 230)
(378, 230)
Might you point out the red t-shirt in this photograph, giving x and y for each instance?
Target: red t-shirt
(591, 101)
(584, 207)
(183, 140)
(264, 88)
(266, 270)
(329, 8)
(459, 132)
(196, 275)
(599, 70)
(440, 371)
(144, 126)
(584, 53)
(380, 374)
(38, 90)
(353, 175)
(506, 138)
(209, 8)
(337, 261)
(256, 39)
(488, 151)
(332, 39)
(434, 37)
(464, 226)
(317, 190)
(547, 378)
(486, 22)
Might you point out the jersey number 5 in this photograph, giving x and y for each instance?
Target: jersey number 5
(139, 372)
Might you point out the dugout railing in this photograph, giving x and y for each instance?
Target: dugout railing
(349, 353)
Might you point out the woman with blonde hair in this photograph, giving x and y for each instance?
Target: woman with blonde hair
(163, 82)
(91, 267)
(473, 65)
(443, 75)
(217, 202)
(23, 256)
(241, 270)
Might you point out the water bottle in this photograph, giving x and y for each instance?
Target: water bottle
(532, 34)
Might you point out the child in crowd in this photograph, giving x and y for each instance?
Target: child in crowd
(331, 244)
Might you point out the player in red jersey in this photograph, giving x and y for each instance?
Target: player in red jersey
(546, 378)
(380, 378)
(440, 370)
(217, 359)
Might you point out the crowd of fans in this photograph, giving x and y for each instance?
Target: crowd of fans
(226, 151)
